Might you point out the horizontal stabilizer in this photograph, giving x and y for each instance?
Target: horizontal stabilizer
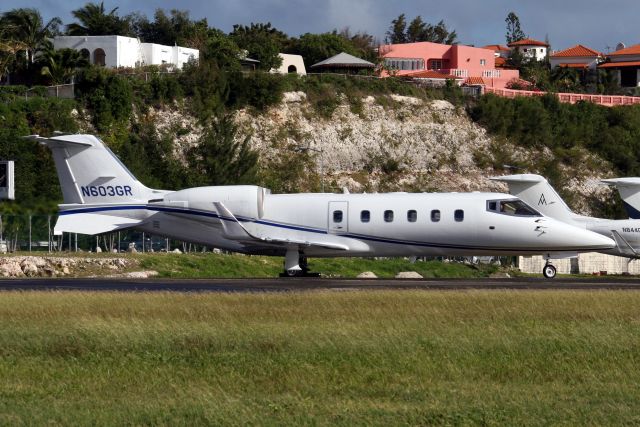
(92, 223)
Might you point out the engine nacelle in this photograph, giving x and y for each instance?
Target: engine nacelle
(241, 200)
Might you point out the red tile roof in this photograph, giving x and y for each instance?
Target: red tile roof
(528, 42)
(431, 74)
(475, 81)
(496, 47)
(580, 65)
(620, 64)
(631, 50)
(501, 62)
(577, 50)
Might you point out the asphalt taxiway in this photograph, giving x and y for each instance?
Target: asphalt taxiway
(314, 284)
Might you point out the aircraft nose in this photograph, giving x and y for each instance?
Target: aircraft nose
(596, 241)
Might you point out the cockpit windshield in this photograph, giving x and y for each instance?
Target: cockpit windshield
(513, 207)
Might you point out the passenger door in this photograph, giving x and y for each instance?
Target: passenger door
(338, 217)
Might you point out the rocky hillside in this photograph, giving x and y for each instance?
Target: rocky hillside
(389, 143)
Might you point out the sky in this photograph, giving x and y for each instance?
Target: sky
(598, 24)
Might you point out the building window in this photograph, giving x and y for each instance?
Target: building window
(435, 64)
(483, 62)
(412, 216)
(365, 216)
(99, 57)
(405, 64)
(85, 54)
(458, 215)
(388, 216)
(337, 217)
(435, 215)
(292, 69)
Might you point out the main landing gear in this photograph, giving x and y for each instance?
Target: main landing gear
(549, 271)
(296, 265)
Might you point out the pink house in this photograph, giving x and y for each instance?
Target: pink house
(474, 65)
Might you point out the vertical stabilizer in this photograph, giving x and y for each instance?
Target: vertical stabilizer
(90, 173)
(536, 191)
(629, 189)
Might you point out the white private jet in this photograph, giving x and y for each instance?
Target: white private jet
(629, 189)
(536, 191)
(101, 195)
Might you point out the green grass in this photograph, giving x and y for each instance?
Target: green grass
(236, 266)
(326, 358)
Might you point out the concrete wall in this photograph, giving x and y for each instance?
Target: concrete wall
(587, 263)
(290, 61)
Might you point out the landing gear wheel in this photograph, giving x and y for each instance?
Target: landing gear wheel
(549, 271)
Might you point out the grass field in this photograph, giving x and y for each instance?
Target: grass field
(325, 358)
(234, 266)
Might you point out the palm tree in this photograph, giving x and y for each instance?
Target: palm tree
(94, 21)
(60, 66)
(26, 27)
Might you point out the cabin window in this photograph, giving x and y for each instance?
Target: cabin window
(458, 215)
(337, 216)
(492, 205)
(435, 215)
(388, 216)
(365, 216)
(412, 216)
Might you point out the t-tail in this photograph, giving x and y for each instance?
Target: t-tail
(629, 189)
(536, 191)
(100, 193)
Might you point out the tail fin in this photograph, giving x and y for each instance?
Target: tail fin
(90, 173)
(629, 189)
(536, 191)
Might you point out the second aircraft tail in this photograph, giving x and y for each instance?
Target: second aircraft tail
(536, 191)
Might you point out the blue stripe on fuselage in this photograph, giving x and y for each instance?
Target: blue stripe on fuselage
(306, 229)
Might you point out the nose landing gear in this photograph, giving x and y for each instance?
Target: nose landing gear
(549, 271)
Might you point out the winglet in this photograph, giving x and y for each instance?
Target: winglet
(623, 246)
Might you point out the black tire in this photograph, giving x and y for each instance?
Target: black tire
(549, 271)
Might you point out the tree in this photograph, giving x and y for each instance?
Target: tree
(60, 66)
(219, 158)
(419, 31)
(261, 42)
(94, 21)
(416, 30)
(397, 31)
(25, 28)
(169, 29)
(514, 32)
(221, 50)
(318, 47)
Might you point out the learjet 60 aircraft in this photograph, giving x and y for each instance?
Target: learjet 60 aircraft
(536, 191)
(101, 195)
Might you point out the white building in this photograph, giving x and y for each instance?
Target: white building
(118, 51)
(291, 64)
(530, 48)
(579, 56)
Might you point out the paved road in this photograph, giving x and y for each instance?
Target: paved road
(301, 284)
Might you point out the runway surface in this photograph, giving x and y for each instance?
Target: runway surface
(310, 284)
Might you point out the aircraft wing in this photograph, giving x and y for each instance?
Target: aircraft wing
(234, 230)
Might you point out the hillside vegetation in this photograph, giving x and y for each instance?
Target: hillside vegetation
(177, 130)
